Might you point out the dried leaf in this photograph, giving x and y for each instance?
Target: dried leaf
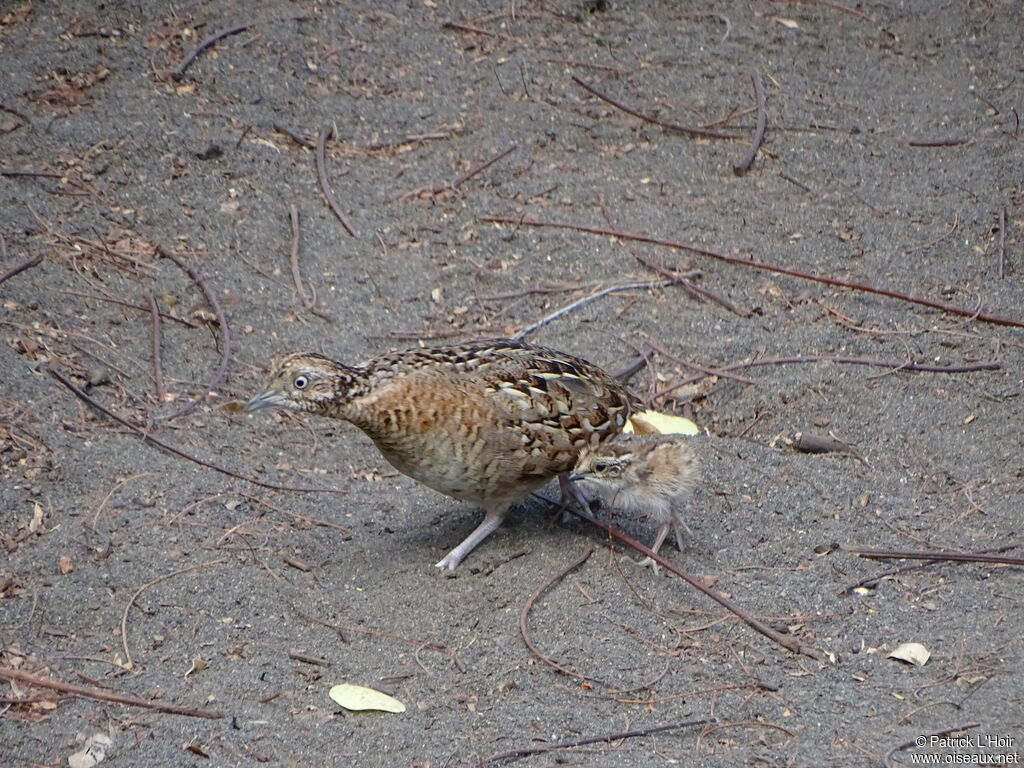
(64, 565)
(358, 697)
(94, 752)
(198, 665)
(912, 653)
(36, 524)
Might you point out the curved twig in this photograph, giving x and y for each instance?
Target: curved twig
(524, 614)
(744, 723)
(762, 120)
(179, 71)
(325, 183)
(304, 298)
(222, 323)
(131, 601)
(699, 132)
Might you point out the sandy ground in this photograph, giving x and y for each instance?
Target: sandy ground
(892, 157)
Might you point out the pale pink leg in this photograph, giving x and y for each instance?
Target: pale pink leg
(648, 562)
(492, 520)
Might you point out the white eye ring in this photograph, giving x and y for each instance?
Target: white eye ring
(300, 382)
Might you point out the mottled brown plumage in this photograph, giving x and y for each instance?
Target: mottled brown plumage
(651, 475)
(486, 422)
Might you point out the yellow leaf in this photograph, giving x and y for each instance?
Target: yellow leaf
(358, 697)
(657, 423)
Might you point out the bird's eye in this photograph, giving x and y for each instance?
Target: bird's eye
(605, 466)
(300, 382)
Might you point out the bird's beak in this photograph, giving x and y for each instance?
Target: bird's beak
(574, 477)
(271, 398)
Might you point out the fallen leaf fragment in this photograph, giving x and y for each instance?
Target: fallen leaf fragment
(94, 752)
(358, 697)
(64, 565)
(198, 665)
(912, 653)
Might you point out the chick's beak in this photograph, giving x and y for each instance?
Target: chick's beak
(574, 477)
(271, 398)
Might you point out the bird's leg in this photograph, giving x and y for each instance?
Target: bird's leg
(678, 526)
(571, 492)
(659, 539)
(492, 520)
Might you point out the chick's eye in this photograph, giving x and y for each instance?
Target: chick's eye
(300, 382)
(601, 466)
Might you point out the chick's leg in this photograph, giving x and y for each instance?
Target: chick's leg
(659, 539)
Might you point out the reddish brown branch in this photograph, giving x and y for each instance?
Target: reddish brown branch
(870, 580)
(955, 557)
(524, 614)
(179, 71)
(762, 121)
(98, 693)
(70, 385)
(788, 642)
(895, 365)
(700, 132)
(21, 268)
(222, 324)
(641, 238)
(527, 751)
(696, 290)
(325, 182)
(482, 167)
(953, 142)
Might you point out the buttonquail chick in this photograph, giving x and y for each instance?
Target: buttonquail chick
(486, 422)
(647, 474)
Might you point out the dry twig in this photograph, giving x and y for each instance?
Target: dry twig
(179, 71)
(698, 132)
(953, 557)
(66, 382)
(98, 693)
(788, 642)
(158, 371)
(529, 221)
(325, 182)
(762, 120)
(20, 268)
(527, 751)
(524, 614)
(222, 324)
(128, 663)
(300, 291)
